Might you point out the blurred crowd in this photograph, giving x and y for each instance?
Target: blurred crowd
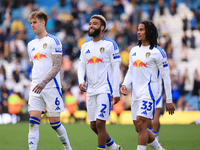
(71, 27)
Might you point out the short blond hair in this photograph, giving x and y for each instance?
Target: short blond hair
(40, 15)
(102, 19)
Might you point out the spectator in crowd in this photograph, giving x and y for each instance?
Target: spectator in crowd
(175, 92)
(125, 56)
(193, 21)
(198, 18)
(172, 7)
(151, 12)
(184, 47)
(118, 9)
(17, 26)
(185, 23)
(27, 11)
(133, 34)
(195, 91)
(192, 41)
(2, 39)
(161, 5)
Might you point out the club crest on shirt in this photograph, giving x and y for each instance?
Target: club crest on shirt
(44, 45)
(102, 49)
(148, 54)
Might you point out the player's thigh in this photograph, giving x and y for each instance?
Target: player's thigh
(36, 102)
(159, 102)
(134, 109)
(157, 114)
(54, 101)
(98, 106)
(144, 108)
(104, 106)
(91, 104)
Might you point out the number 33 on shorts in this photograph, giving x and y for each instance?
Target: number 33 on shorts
(147, 108)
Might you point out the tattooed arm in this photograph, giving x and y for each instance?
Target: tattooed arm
(57, 61)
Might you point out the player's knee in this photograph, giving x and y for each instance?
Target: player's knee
(140, 125)
(55, 125)
(100, 124)
(135, 123)
(136, 129)
(33, 121)
(93, 127)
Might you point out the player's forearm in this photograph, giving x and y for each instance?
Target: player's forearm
(128, 78)
(167, 85)
(116, 77)
(57, 61)
(81, 73)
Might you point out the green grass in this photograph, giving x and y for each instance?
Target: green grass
(172, 137)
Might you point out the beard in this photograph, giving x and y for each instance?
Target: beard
(95, 33)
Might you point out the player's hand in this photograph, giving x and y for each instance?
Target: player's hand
(82, 87)
(39, 87)
(116, 100)
(123, 90)
(170, 108)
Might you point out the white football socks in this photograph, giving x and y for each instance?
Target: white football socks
(62, 135)
(141, 147)
(33, 136)
(155, 145)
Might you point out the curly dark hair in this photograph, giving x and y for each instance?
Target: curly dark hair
(151, 33)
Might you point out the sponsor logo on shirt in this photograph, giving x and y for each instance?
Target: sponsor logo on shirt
(139, 63)
(39, 56)
(94, 60)
(116, 55)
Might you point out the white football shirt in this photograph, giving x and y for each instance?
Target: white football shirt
(40, 53)
(145, 65)
(100, 61)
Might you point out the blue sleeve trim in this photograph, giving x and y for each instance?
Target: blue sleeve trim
(55, 39)
(113, 42)
(161, 51)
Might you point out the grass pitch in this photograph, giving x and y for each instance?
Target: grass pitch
(172, 137)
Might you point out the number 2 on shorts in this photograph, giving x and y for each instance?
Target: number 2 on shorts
(103, 110)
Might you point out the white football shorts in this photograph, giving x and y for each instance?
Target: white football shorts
(144, 108)
(99, 107)
(159, 101)
(50, 98)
